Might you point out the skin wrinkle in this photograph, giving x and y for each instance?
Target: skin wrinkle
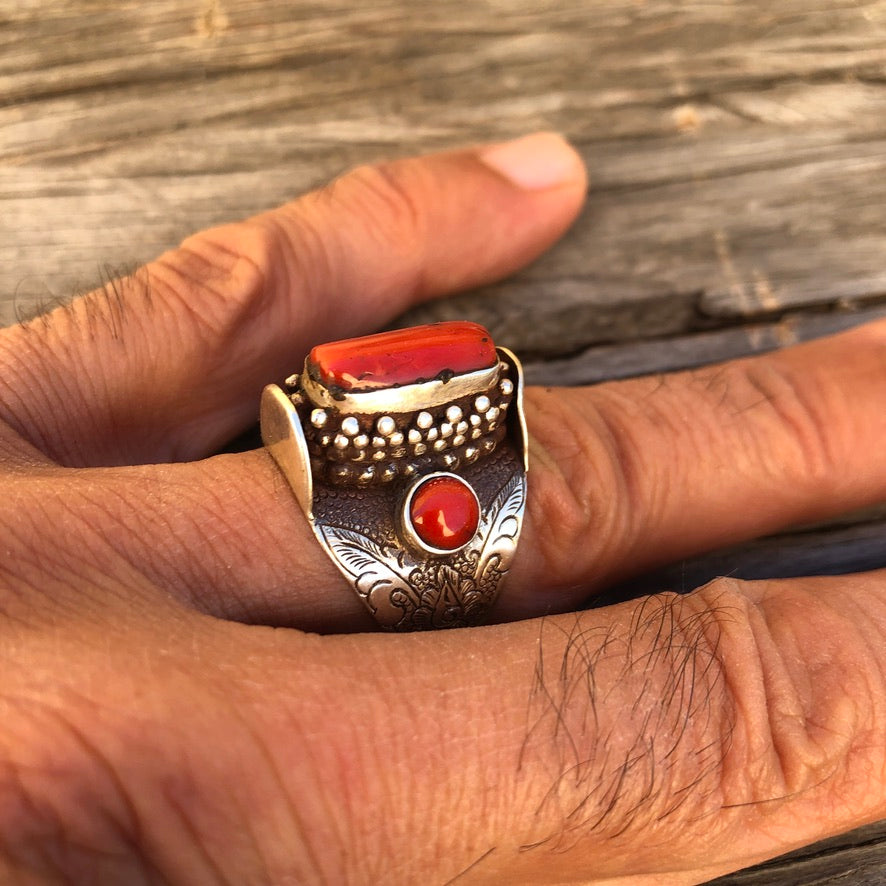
(359, 848)
(56, 564)
(794, 407)
(414, 752)
(296, 817)
(17, 803)
(578, 465)
(278, 780)
(207, 536)
(740, 389)
(312, 266)
(47, 828)
(403, 791)
(176, 789)
(239, 294)
(128, 828)
(800, 760)
(189, 297)
(210, 865)
(114, 502)
(91, 535)
(674, 433)
(392, 192)
(188, 801)
(18, 410)
(228, 541)
(341, 850)
(383, 192)
(58, 391)
(119, 524)
(625, 466)
(219, 303)
(784, 771)
(77, 583)
(125, 831)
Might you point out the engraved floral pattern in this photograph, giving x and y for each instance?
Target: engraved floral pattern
(405, 592)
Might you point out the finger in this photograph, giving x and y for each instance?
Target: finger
(169, 363)
(662, 741)
(622, 477)
(630, 475)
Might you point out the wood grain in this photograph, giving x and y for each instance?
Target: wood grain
(737, 151)
(854, 859)
(737, 154)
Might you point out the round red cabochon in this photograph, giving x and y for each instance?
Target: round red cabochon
(443, 512)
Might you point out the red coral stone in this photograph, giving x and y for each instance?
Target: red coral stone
(404, 356)
(444, 513)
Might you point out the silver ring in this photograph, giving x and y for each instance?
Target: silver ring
(407, 452)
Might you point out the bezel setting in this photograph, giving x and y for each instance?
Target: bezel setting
(411, 535)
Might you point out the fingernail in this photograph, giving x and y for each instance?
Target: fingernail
(535, 162)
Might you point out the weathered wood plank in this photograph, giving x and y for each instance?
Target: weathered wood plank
(854, 859)
(737, 150)
(832, 551)
(604, 362)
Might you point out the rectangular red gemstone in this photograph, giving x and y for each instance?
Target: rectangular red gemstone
(403, 356)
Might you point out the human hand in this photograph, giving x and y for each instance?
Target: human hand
(155, 729)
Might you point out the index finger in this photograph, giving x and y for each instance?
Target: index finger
(168, 364)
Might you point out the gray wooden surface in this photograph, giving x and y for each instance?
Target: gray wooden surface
(737, 154)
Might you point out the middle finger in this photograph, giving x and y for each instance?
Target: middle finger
(624, 476)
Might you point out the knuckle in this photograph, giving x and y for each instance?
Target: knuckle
(379, 210)
(683, 711)
(799, 683)
(386, 196)
(589, 485)
(554, 497)
(220, 277)
(223, 277)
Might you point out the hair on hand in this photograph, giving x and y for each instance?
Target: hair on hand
(626, 720)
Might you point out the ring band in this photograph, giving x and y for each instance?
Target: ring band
(407, 453)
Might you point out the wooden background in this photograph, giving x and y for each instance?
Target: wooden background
(737, 153)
